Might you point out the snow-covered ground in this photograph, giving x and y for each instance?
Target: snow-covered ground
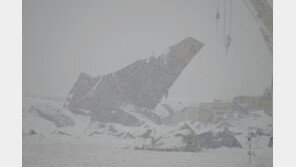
(53, 136)
(98, 154)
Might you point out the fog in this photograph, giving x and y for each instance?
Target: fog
(61, 39)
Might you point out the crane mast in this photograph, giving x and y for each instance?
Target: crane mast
(263, 13)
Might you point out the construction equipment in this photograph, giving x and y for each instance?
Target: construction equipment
(263, 14)
(227, 29)
(217, 15)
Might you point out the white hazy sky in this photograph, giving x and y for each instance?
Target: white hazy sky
(63, 38)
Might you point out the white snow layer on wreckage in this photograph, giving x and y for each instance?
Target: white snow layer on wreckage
(42, 137)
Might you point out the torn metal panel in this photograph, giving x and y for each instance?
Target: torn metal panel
(142, 84)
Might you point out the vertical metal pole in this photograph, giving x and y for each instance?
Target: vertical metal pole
(250, 147)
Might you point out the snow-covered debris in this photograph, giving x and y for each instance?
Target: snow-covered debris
(60, 133)
(188, 135)
(47, 109)
(223, 138)
(128, 136)
(181, 138)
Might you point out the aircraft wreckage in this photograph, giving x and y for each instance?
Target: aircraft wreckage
(143, 83)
